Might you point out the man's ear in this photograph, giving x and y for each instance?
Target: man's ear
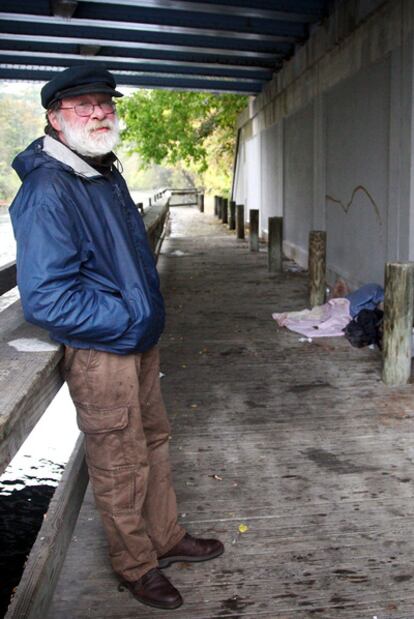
(54, 120)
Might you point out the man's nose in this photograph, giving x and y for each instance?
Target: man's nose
(97, 112)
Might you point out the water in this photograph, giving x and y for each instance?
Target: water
(7, 254)
(7, 242)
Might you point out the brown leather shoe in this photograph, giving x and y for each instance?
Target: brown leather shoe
(192, 549)
(154, 589)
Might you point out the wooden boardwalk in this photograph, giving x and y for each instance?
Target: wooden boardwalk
(299, 442)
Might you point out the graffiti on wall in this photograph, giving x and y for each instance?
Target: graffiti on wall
(346, 206)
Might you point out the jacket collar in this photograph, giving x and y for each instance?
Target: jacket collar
(57, 150)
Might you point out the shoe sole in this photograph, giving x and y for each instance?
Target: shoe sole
(148, 603)
(162, 563)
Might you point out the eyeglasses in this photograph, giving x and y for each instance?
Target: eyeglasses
(86, 109)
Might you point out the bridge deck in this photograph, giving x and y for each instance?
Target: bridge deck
(300, 442)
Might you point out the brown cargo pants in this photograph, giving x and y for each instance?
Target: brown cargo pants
(121, 411)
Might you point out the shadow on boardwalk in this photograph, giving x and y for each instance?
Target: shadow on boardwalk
(299, 442)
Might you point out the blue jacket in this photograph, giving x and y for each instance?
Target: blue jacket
(85, 270)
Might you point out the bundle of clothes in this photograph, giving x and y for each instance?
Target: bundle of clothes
(358, 316)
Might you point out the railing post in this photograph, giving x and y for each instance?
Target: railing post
(275, 244)
(216, 206)
(398, 323)
(232, 216)
(240, 221)
(140, 207)
(201, 202)
(254, 229)
(317, 267)
(224, 213)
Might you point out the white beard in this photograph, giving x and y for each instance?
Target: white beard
(84, 140)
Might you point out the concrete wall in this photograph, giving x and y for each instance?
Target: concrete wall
(271, 174)
(335, 129)
(298, 182)
(357, 145)
(254, 186)
(248, 185)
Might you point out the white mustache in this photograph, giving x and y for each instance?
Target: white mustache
(99, 124)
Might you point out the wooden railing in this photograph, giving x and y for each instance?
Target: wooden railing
(196, 196)
(28, 383)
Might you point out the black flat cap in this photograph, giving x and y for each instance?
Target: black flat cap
(78, 80)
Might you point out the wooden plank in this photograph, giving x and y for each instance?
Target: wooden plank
(28, 381)
(7, 277)
(154, 215)
(42, 569)
(313, 453)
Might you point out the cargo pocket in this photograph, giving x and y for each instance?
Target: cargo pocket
(111, 456)
(108, 437)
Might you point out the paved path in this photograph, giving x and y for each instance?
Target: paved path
(299, 442)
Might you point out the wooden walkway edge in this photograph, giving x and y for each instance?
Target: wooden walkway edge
(294, 453)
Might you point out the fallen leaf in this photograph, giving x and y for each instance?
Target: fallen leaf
(243, 528)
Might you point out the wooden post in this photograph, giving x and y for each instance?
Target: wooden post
(150, 201)
(254, 230)
(317, 267)
(240, 221)
(224, 214)
(220, 207)
(398, 322)
(140, 207)
(275, 244)
(216, 208)
(232, 216)
(201, 202)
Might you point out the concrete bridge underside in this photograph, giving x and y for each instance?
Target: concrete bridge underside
(328, 144)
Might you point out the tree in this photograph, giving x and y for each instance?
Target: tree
(21, 121)
(192, 130)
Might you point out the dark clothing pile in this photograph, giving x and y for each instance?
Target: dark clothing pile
(365, 327)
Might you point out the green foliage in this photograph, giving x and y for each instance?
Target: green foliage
(21, 121)
(183, 139)
(192, 130)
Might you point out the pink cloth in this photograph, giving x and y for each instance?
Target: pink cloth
(326, 320)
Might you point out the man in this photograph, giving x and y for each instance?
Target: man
(87, 275)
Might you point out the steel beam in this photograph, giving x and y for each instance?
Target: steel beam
(126, 79)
